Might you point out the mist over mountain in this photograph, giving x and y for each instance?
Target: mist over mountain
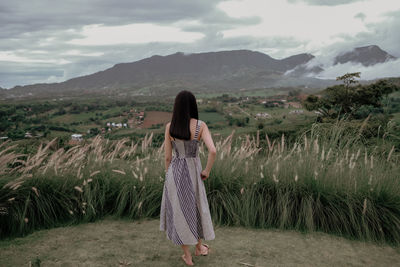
(366, 55)
(201, 72)
(373, 63)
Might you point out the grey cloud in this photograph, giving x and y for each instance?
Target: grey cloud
(22, 74)
(24, 27)
(12, 73)
(383, 34)
(18, 17)
(386, 69)
(325, 2)
(360, 16)
(216, 20)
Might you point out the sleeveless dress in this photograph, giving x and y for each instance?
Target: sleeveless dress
(185, 214)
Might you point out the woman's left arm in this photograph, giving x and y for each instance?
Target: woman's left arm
(167, 147)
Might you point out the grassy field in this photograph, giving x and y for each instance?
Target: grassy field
(396, 118)
(326, 181)
(70, 118)
(95, 115)
(242, 93)
(111, 242)
(35, 116)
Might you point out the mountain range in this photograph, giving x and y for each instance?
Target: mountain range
(200, 72)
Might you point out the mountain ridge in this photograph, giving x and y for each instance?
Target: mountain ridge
(208, 71)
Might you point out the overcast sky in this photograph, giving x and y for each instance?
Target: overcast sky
(52, 41)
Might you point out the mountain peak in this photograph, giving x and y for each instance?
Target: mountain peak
(366, 55)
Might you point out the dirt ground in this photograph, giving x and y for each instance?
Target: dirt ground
(155, 117)
(112, 242)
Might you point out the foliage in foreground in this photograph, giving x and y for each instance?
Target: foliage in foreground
(326, 181)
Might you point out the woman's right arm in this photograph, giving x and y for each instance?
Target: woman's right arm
(212, 152)
(167, 147)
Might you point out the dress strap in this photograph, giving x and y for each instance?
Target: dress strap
(197, 130)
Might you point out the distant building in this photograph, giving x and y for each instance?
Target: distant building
(277, 102)
(141, 114)
(76, 137)
(295, 104)
(297, 111)
(302, 97)
(263, 115)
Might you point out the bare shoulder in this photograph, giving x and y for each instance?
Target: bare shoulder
(167, 128)
(203, 126)
(167, 135)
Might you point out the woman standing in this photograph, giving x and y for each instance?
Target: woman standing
(185, 215)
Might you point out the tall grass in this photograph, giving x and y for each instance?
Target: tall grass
(325, 181)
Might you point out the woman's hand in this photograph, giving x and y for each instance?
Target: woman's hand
(212, 152)
(204, 174)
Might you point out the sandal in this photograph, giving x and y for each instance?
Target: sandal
(197, 253)
(184, 259)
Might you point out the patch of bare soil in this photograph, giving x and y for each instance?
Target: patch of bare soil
(113, 242)
(156, 117)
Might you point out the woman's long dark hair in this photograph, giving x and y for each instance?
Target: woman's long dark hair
(185, 107)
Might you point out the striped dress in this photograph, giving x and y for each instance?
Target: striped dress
(185, 215)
